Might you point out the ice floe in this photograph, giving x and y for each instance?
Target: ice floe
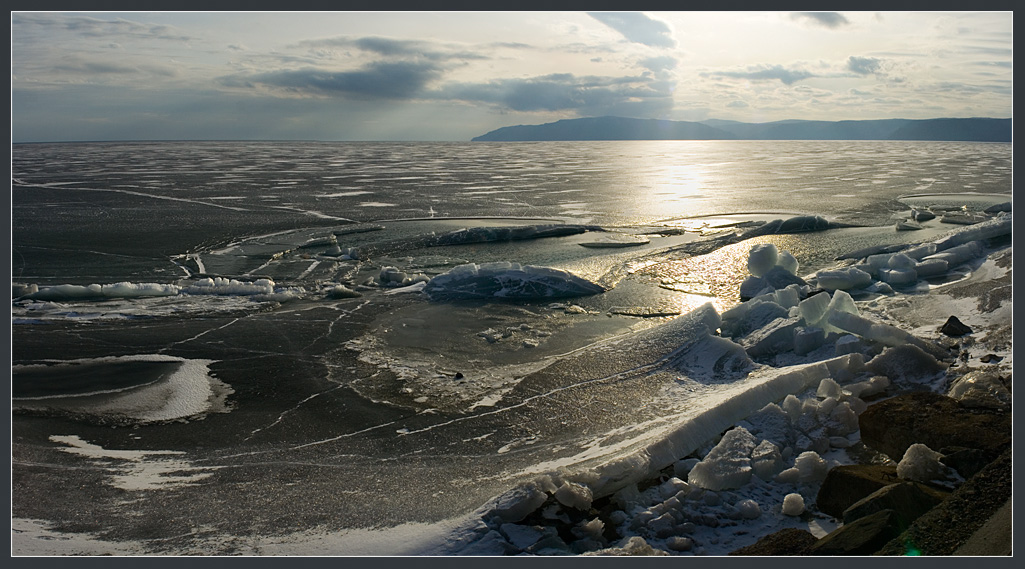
(507, 280)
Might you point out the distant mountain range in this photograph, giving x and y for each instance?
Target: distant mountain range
(619, 128)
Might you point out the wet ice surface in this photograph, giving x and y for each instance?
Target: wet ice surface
(384, 406)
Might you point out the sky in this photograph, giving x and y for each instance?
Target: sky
(450, 76)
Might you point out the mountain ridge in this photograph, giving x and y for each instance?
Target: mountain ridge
(977, 129)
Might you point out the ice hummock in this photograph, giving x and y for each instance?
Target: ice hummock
(508, 280)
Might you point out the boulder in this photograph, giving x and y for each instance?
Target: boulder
(945, 528)
(864, 536)
(788, 541)
(907, 499)
(937, 421)
(954, 327)
(845, 485)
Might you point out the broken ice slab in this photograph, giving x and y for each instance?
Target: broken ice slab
(960, 254)
(997, 227)
(843, 279)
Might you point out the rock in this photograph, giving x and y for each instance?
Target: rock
(966, 461)
(954, 327)
(846, 485)
(943, 529)
(937, 421)
(864, 536)
(990, 358)
(907, 499)
(788, 541)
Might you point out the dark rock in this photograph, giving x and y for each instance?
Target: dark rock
(954, 327)
(966, 461)
(864, 536)
(945, 528)
(907, 499)
(935, 420)
(990, 358)
(788, 541)
(845, 485)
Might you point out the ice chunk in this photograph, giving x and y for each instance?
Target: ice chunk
(997, 227)
(922, 215)
(811, 467)
(342, 291)
(981, 389)
(518, 503)
(932, 267)
(573, 495)
(900, 261)
(788, 297)
(20, 289)
(521, 536)
(776, 278)
(814, 308)
(828, 388)
(775, 338)
(843, 279)
(808, 339)
(504, 280)
(116, 290)
(788, 262)
(793, 504)
(906, 362)
(728, 464)
(392, 276)
(842, 420)
(849, 344)
(749, 509)
(223, 286)
(876, 262)
(877, 332)
(761, 258)
(960, 254)
(766, 460)
(922, 464)
(921, 251)
(841, 302)
(898, 277)
(873, 386)
(756, 314)
(771, 424)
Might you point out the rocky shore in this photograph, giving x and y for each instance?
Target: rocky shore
(967, 510)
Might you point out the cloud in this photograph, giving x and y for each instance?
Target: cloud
(588, 95)
(737, 105)
(660, 63)
(389, 80)
(864, 65)
(766, 73)
(95, 27)
(637, 28)
(396, 48)
(831, 20)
